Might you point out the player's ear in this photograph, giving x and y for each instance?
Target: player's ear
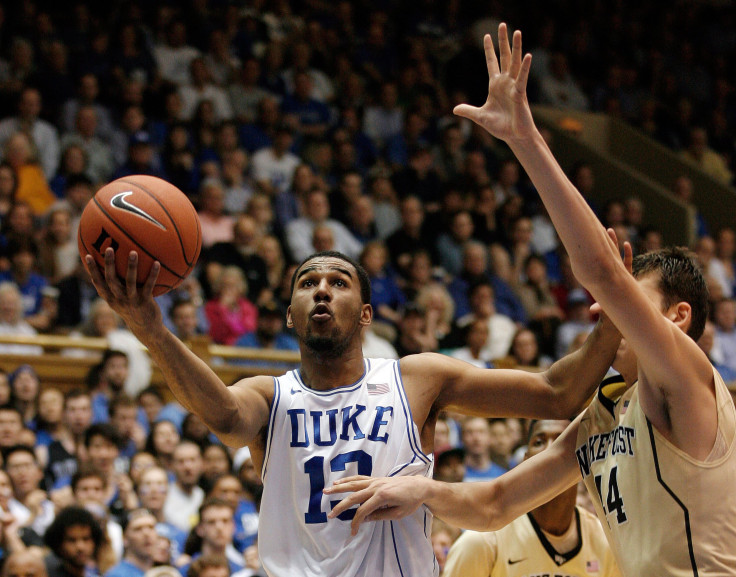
(366, 315)
(289, 322)
(681, 314)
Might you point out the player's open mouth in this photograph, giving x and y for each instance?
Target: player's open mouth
(321, 313)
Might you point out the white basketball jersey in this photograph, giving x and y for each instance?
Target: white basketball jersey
(316, 437)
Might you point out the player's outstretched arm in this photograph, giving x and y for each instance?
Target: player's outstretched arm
(676, 396)
(235, 414)
(483, 506)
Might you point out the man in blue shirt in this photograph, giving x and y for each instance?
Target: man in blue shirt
(269, 334)
(139, 537)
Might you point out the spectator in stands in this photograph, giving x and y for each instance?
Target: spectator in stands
(558, 88)
(8, 187)
(142, 157)
(184, 319)
(525, 350)
(68, 442)
(482, 307)
(272, 253)
(139, 537)
(74, 538)
(577, 321)
(124, 417)
(88, 92)
(386, 118)
(23, 256)
(102, 444)
(414, 171)
(163, 437)
(411, 237)
(245, 94)
(24, 388)
(682, 188)
(212, 565)
(111, 373)
(475, 337)
(49, 421)
(387, 298)
(228, 488)
(316, 212)
(273, 166)
(29, 505)
(44, 135)
(216, 529)
(710, 345)
(723, 266)
(724, 316)
(173, 55)
(476, 439)
(89, 489)
(313, 117)
(241, 252)
(230, 313)
(99, 163)
(23, 562)
(11, 425)
(450, 244)
(58, 247)
(216, 225)
(12, 321)
(202, 88)
(153, 488)
(705, 157)
(185, 497)
(33, 187)
(269, 332)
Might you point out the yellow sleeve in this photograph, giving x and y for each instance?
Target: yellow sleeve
(472, 555)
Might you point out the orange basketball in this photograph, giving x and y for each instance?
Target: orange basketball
(147, 215)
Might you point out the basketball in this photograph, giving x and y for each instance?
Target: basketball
(150, 216)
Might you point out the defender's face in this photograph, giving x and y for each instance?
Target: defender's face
(326, 308)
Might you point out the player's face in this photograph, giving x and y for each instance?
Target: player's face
(326, 309)
(544, 434)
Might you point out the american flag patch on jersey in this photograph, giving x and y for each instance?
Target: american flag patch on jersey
(377, 388)
(591, 566)
(624, 407)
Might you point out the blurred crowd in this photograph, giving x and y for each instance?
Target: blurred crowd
(298, 126)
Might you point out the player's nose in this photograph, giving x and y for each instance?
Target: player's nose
(322, 292)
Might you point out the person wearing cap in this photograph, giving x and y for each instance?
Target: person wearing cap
(577, 321)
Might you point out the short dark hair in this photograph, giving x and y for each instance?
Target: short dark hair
(75, 394)
(73, 516)
(151, 391)
(205, 562)
(365, 283)
(120, 401)
(12, 409)
(87, 472)
(211, 502)
(19, 449)
(680, 279)
(104, 430)
(111, 354)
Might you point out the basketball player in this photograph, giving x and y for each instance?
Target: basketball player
(659, 459)
(557, 538)
(341, 414)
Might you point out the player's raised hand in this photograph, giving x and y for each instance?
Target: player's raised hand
(379, 499)
(506, 113)
(133, 302)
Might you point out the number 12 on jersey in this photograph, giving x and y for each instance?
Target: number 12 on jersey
(614, 502)
(314, 467)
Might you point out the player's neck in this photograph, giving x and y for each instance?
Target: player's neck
(328, 373)
(556, 516)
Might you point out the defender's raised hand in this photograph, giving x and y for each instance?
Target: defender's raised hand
(506, 113)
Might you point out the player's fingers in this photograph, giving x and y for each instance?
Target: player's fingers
(515, 54)
(147, 289)
(503, 47)
(111, 276)
(94, 272)
(352, 483)
(131, 274)
(467, 111)
(491, 60)
(523, 76)
(370, 505)
(350, 501)
(628, 256)
(387, 514)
